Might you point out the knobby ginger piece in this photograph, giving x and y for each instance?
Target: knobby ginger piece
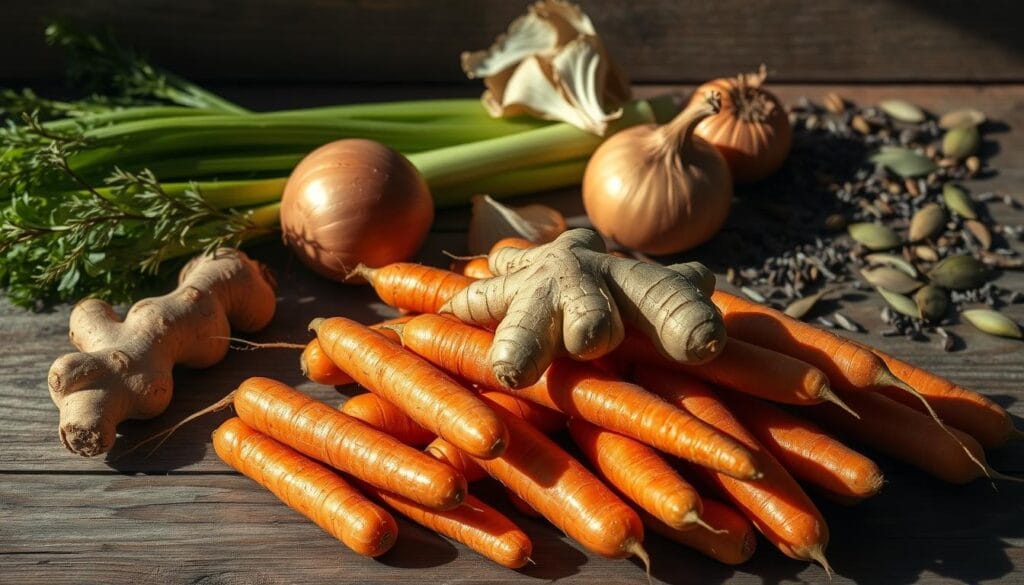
(123, 369)
(571, 295)
(551, 64)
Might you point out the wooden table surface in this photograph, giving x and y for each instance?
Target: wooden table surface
(181, 516)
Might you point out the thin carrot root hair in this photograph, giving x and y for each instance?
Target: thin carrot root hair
(457, 257)
(829, 396)
(818, 556)
(166, 433)
(254, 345)
(635, 548)
(695, 519)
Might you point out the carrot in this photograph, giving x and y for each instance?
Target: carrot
(640, 474)
(564, 492)
(427, 395)
(584, 392)
(517, 243)
(384, 416)
(808, 452)
(413, 287)
(543, 419)
(906, 434)
(325, 434)
(318, 367)
(520, 505)
(775, 504)
(964, 409)
(458, 460)
(476, 525)
(730, 540)
(476, 268)
(744, 367)
(307, 487)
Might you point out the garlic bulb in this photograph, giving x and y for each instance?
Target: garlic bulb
(493, 221)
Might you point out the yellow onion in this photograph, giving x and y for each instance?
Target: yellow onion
(752, 130)
(354, 201)
(659, 189)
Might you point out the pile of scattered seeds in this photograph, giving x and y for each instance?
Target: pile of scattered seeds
(871, 199)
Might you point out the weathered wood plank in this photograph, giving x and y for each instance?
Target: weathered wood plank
(420, 40)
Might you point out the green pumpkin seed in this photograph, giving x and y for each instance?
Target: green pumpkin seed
(891, 279)
(926, 253)
(903, 111)
(904, 162)
(960, 272)
(882, 259)
(932, 302)
(962, 119)
(957, 199)
(901, 303)
(993, 323)
(800, 307)
(874, 236)
(928, 221)
(960, 143)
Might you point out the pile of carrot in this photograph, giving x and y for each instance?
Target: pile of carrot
(707, 456)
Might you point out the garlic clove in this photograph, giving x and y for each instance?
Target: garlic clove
(492, 221)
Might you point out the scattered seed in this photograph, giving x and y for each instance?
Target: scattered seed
(959, 272)
(898, 262)
(874, 236)
(932, 303)
(846, 323)
(902, 111)
(960, 143)
(824, 321)
(961, 119)
(891, 279)
(834, 103)
(899, 303)
(980, 233)
(992, 322)
(800, 307)
(927, 222)
(753, 295)
(957, 199)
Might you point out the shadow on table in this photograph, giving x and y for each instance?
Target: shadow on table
(418, 548)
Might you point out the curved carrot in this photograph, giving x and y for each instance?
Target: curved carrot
(775, 504)
(908, 435)
(318, 367)
(476, 525)
(808, 452)
(307, 487)
(563, 491)
(325, 434)
(427, 395)
(744, 367)
(640, 474)
(413, 287)
(384, 416)
(457, 459)
(585, 392)
(730, 540)
(964, 409)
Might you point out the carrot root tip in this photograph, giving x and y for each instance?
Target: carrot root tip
(636, 549)
(315, 324)
(694, 518)
(817, 555)
(828, 395)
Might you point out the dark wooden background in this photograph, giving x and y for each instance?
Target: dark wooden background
(401, 41)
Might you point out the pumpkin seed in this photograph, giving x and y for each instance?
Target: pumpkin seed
(980, 232)
(900, 303)
(904, 162)
(957, 199)
(903, 111)
(927, 222)
(961, 119)
(874, 236)
(753, 294)
(882, 259)
(993, 323)
(932, 302)
(960, 272)
(800, 307)
(926, 253)
(973, 164)
(960, 143)
(891, 279)
(846, 323)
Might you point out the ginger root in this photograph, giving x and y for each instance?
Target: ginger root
(124, 368)
(569, 294)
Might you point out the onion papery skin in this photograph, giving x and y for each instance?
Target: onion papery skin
(754, 149)
(354, 201)
(643, 199)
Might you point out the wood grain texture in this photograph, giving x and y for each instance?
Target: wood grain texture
(181, 516)
(658, 41)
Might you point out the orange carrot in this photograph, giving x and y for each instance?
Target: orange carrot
(808, 452)
(517, 243)
(384, 416)
(964, 409)
(307, 487)
(325, 434)
(584, 392)
(564, 492)
(775, 504)
(476, 525)
(731, 539)
(640, 474)
(521, 505)
(427, 395)
(319, 368)
(910, 436)
(744, 367)
(476, 268)
(457, 459)
(413, 287)
(543, 419)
